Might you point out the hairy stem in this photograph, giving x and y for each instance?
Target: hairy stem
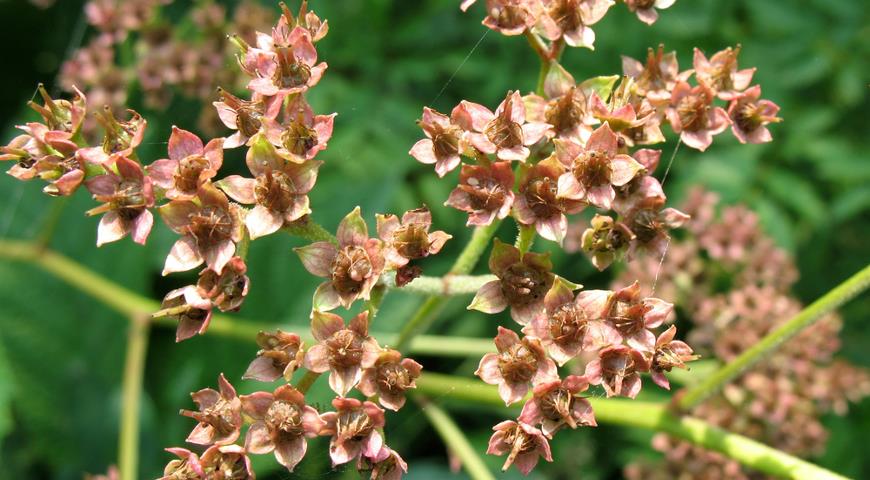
(841, 294)
(525, 237)
(649, 416)
(134, 371)
(447, 285)
(310, 230)
(455, 440)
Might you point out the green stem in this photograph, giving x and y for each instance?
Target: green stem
(455, 440)
(134, 371)
(447, 285)
(310, 230)
(307, 381)
(649, 416)
(525, 237)
(841, 294)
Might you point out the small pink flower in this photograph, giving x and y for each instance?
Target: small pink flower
(121, 137)
(285, 65)
(522, 282)
(389, 378)
(573, 325)
(657, 77)
(443, 144)
(352, 268)
(517, 364)
(593, 171)
(281, 423)
(244, 116)
(624, 110)
(750, 116)
(185, 467)
(509, 17)
(226, 290)
(62, 115)
(409, 239)
(537, 203)
(195, 318)
(388, 465)
(227, 462)
(720, 73)
(564, 106)
(504, 133)
(210, 227)
(616, 369)
(633, 316)
(344, 350)
(669, 353)
(693, 116)
(523, 443)
(570, 20)
(354, 430)
(605, 240)
(49, 154)
(650, 224)
(279, 191)
(484, 191)
(189, 166)
(301, 133)
(280, 354)
(219, 415)
(556, 404)
(646, 9)
(126, 194)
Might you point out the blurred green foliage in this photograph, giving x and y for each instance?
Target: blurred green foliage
(61, 354)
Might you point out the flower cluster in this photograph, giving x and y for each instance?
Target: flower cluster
(780, 402)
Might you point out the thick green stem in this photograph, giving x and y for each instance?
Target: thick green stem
(807, 317)
(649, 416)
(310, 230)
(525, 237)
(455, 440)
(134, 371)
(447, 285)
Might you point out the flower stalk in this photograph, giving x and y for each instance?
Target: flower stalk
(455, 440)
(134, 371)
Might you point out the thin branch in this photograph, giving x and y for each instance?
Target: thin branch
(446, 286)
(455, 441)
(310, 230)
(134, 371)
(649, 416)
(841, 294)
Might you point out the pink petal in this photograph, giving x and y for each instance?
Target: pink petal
(324, 325)
(183, 256)
(489, 298)
(317, 258)
(258, 440)
(422, 151)
(112, 228)
(352, 230)
(317, 358)
(289, 452)
(261, 222)
(240, 189)
(183, 143)
(142, 226)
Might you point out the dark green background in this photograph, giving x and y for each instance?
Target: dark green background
(61, 354)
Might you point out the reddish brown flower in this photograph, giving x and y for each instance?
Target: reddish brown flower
(655, 79)
(127, 194)
(538, 204)
(693, 116)
(388, 465)
(508, 17)
(504, 133)
(282, 421)
(646, 9)
(605, 240)
(517, 364)
(280, 354)
(522, 282)
(570, 20)
(389, 378)
(191, 310)
(279, 191)
(443, 144)
(210, 227)
(523, 443)
(49, 154)
(121, 137)
(62, 115)
(226, 290)
(750, 116)
(572, 324)
(556, 404)
(720, 73)
(409, 239)
(650, 226)
(219, 415)
(284, 63)
(669, 353)
(344, 350)
(484, 191)
(354, 429)
(616, 369)
(633, 316)
(189, 166)
(244, 116)
(301, 133)
(185, 467)
(352, 268)
(227, 462)
(564, 106)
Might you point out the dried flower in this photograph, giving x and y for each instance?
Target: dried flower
(191, 310)
(302, 133)
(219, 415)
(388, 465)
(227, 462)
(616, 369)
(523, 280)
(284, 64)
(127, 194)
(693, 116)
(605, 240)
(352, 268)
(484, 191)
(185, 467)
(720, 73)
(750, 116)
(244, 116)
(504, 133)
(354, 429)
(655, 79)
(189, 166)
(409, 239)
(443, 144)
(646, 9)
(538, 204)
(523, 443)
(669, 353)
(570, 20)
(508, 17)
(389, 378)
(633, 316)
(556, 404)
(280, 354)
(517, 363)
(344, 350)
(650, 226)
(226, 290)
(282, 421)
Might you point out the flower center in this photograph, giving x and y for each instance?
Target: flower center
(556, 404)
(275, 191)
(446, 143)
(345, 349)
(284, 418)
(541, 197)
(566, 14)
(523, 285)
(298, 138)
(568, 325)
(517, 364)
(592, 168)
(291, 72)
(188, 171)
(350, 269)
(211, 225)
(393, 378)
(411, 241)
(692, 110)
(484, 193)
(353, 424)
(248, 120)
(748, 118)
(504, 133)
(566, 112)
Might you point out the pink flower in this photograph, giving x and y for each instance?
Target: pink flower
(389, 377)
(657, 78)
(127, 194)
(605, 240)
(750, 116)
(185, 467)
(443, 143)
(556, 404)
(484, 191)
(523, 443)
(280, 354)
(646, 9)
(195, 316)
(651, 226)
(669, 353)
(62, 115)
(352, 268)
(633, 316)
(302, 133)
(219, 415)
(344, 350)
(354, 430)
(49, 154)
(720, 73)
(285, 65)
(388, 465)
(570, 20)
(538, 204)
(226, 290)
(522, 282)
(244, 116)
(210, 226)
(280, 189)
(281, 423)
(409, 239)
(517, 363)
(228, 462)
(189, 166)
(121, 137)
(509, 17)
(573, 325)
(616, 369)
(504, 133)
(693, 116)
(564, 106)
(593, 171)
